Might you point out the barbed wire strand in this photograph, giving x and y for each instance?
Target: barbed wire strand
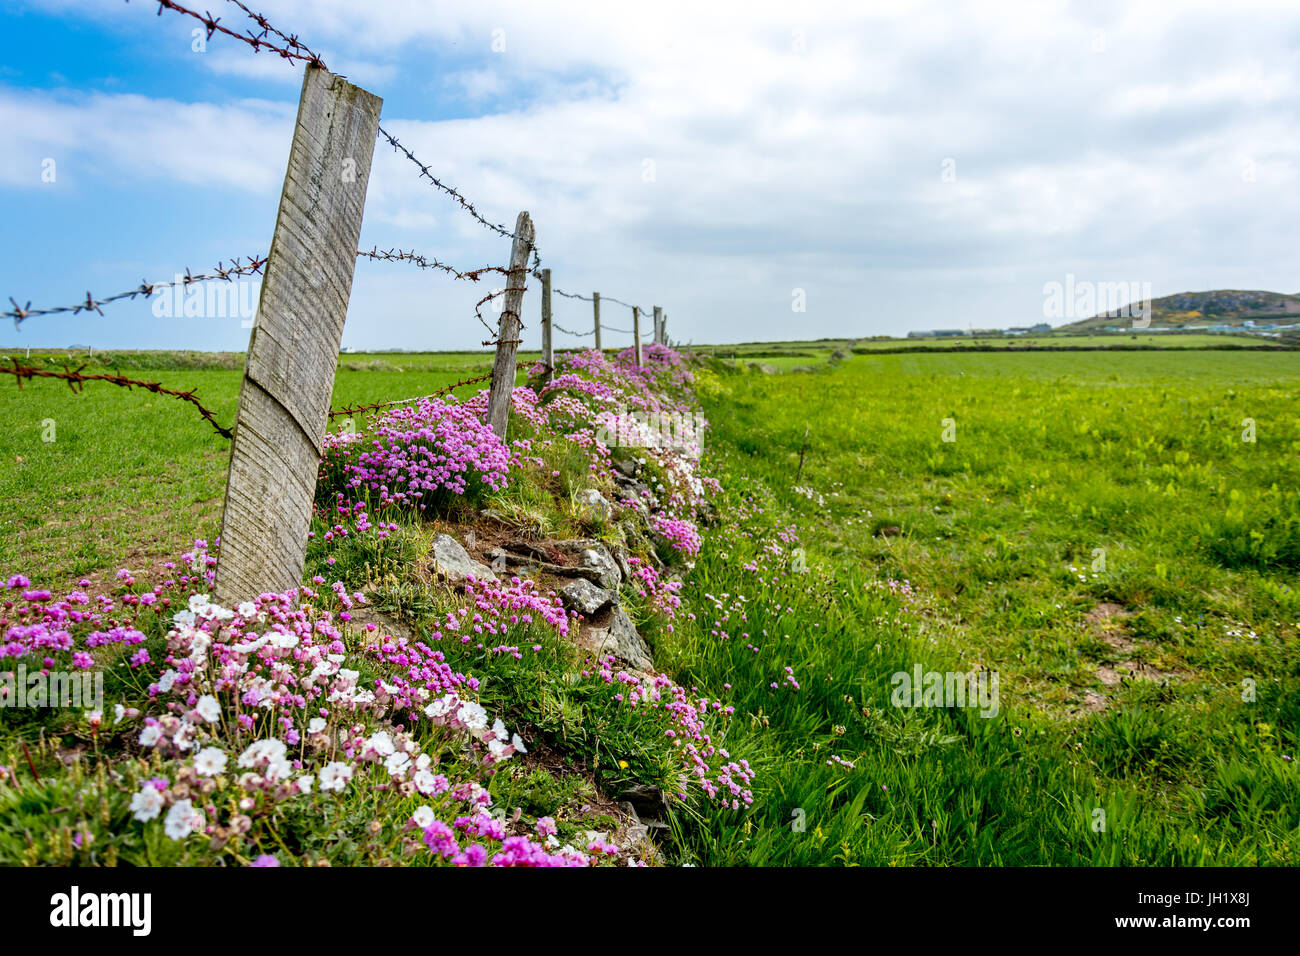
(254, 266)
(457, 196)
(427, 262)
(359, 409)
(75, 377)
(291, 47)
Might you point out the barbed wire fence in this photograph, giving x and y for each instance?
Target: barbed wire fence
(287, 392)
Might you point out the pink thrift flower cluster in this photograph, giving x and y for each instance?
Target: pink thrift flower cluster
(418, 455)
(678, 532)
(710, 765)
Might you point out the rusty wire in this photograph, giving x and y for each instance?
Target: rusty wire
(289, 48)
(556, 325)
(455, 194)
(77, 377)
(359, 409)
(253, 266)
(610, 298)
(426, 262)
(573, 295)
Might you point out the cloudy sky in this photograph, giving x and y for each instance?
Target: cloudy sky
(893, 166)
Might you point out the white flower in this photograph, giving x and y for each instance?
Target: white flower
(208, 708)
(499, 731)
(119, 712)
(440, 707)
(248, 610)
(182, 820)
(316, 725)
(166, 681)
(335, 776)
(381, 743)
(305, 783)
(147, 804)
(150, 736)
(473, 716)
(396, 764)
(424, 782)
(184, 618)
(517, 742)
(198, 602)
(181, 739)
(423, 816)
(270, 750)
(497, 748)
(210, 761)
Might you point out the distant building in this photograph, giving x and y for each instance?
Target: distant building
(1040, 328)
(946, 333)
(920, 335)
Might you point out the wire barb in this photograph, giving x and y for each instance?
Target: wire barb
(76, 377)
(359, 409)
(289, 47)
(253, 266)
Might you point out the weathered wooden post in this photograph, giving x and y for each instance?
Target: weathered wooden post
(293, 349)
(636, 333)
(503, 368)
(659, 330)
(548, 333)
(595, 308)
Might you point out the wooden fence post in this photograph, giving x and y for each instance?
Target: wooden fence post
(293, 349)
(503, 368)
(595, 308)
(659, 331)
(636, 333)
(548, 333)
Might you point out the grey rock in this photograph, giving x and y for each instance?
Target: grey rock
(595, 502)
(452, 563)
(627, 467)
(620, 639)
(594, 561)
(635, 830)
(584, 597)
(647, 800)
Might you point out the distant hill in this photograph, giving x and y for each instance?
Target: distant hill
(1218, 307)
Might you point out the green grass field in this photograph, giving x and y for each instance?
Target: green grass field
(1116, 536)
(1098, 533)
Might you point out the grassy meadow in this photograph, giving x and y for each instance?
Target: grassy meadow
(1115, 536)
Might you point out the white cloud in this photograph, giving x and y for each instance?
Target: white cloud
(790, 147)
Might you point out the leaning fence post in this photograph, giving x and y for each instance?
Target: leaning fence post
(503, 367)
(659, 332)
(548, 333)
(595, 308)
(636, 333)
(293, 349)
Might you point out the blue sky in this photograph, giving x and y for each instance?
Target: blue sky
(904, 166)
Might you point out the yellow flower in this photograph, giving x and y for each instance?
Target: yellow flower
(623, 764)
